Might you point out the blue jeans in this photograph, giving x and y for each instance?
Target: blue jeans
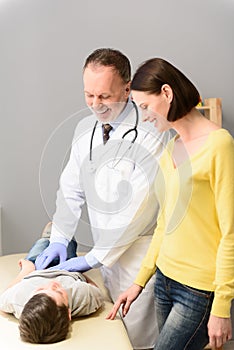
(183, 313)
(42, 243)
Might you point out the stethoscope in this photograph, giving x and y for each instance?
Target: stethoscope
(134, 130)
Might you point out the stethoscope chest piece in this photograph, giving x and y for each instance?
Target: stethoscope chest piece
(92, 167)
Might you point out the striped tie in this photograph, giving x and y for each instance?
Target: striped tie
(106, 130)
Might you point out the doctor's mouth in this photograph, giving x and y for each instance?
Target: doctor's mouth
(102, 113)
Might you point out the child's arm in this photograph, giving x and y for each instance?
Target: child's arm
(88, 280)
(26, 268)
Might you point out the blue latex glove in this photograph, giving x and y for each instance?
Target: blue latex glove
(53, 251)
(74, 264)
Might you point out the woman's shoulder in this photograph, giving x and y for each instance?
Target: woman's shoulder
(221, 135)
(221, 140)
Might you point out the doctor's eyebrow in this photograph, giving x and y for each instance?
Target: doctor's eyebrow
(104, 95)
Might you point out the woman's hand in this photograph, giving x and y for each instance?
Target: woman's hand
(126, 298)
(219, 330)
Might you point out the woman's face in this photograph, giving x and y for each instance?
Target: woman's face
(154, 108)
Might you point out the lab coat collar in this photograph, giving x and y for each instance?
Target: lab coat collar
(127, 109)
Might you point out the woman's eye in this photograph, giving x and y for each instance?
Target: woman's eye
(143, 107)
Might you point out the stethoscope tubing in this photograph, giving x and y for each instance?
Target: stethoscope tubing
(123, 136)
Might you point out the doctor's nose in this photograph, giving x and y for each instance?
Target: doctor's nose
(97, 103)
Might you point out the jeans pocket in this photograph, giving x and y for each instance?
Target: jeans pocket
(199, 292)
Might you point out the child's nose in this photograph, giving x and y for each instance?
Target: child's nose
(55, 285)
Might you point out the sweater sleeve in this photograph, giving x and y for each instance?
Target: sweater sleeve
(13, 299)
(148, 266)
(222, 182)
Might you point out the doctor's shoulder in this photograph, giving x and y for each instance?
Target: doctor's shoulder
(84, 127)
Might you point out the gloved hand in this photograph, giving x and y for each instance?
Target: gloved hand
(50, 253)
(74, 264)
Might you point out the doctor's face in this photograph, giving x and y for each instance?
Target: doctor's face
(106, 93)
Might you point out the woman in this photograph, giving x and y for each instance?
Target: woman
(192, 250)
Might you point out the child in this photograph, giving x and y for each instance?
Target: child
(46, 300)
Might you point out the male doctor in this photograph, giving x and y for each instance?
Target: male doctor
(112, 166)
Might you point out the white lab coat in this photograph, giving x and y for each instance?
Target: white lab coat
(118, 187)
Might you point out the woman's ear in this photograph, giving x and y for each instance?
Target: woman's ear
(167, 92)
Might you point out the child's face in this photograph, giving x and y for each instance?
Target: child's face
(55, 291)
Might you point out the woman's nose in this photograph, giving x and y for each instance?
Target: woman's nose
(144, 116)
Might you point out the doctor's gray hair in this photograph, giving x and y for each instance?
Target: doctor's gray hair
(154, 73)
(111, 58)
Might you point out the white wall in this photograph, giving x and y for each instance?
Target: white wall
(43, 44)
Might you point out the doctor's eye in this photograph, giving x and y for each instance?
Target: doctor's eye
(104, 97)
(88, 95)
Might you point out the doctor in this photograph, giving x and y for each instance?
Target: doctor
(115, 178)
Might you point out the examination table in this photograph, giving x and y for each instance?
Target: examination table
(89, 332)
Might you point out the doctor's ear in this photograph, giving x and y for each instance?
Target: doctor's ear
(167, 92)
(127, 89)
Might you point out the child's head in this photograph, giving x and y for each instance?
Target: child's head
(46, 316)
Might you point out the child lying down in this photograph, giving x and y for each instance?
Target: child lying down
(44, 301)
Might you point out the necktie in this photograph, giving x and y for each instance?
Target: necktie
(106, 130)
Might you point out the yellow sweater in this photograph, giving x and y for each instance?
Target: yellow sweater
(194, 239)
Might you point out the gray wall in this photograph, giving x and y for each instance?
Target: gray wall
(43, 44)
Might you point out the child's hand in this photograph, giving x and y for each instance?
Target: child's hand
(26, 266)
